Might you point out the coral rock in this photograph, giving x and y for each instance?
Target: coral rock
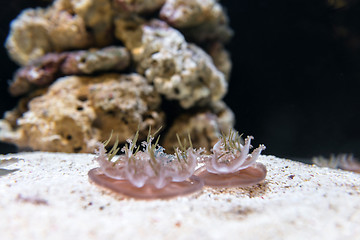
(74, 37)
(98, 18)
(76, 112)
(88, 62)
(221, 58)
(137, 6)
(87, 17)
(46, 69)
(64, 25)
(40, 72)
(67, 31)
(200, 20)
(205, 126)
(29, 38)
(178, 70)
(22, 106)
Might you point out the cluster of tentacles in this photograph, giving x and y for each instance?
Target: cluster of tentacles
(145, 171)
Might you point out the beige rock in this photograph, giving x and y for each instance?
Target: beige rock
(63, 25)
(50, 197)
(97, 16)
(205, 126)
(38, 74)
(199, 20)
(76, 112)
(221, 58)
(44, 70)
(129, 31)
(96, 60)
(28, 38)
(137, 6)
(22, 106)
(178, 70)
(182, 13)
(67, 31)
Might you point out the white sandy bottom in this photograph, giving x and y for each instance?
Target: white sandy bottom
(50, 197)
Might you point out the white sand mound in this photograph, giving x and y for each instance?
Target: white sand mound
(50, 197)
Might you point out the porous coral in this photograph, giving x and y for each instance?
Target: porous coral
(96, 15)
(69, 37)
(96, 60)
(199, 20)
(178, 70)
(11, 116)
(137, 6)
(44, 70)
(40, 73)
(29, 37)
(62, 26)
(76, 112)
(221, 58)
(205, 126)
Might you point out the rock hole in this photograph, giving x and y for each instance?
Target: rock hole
(124, 120)
(82, 98)
(148, 116)
(130, 28)
(111, 112)
(177, 91)
(96, 123)
(154, 63)
(89, 29)
(47, 67)
(77, 149)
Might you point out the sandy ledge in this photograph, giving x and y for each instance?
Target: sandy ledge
(50, 197)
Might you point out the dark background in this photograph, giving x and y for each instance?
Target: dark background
(296, 76)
